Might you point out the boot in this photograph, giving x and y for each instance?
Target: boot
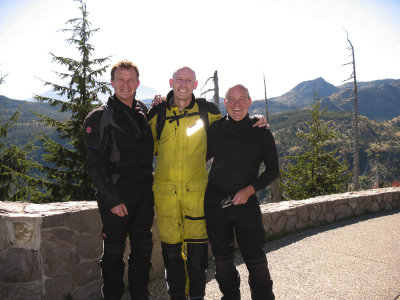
(175, 273)
(139, 269)
(112, 269)
(227, 277)
(259, 279)
(197, 264)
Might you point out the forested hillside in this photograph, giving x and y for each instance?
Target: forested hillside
(379, 142)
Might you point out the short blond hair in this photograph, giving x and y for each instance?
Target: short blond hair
(126, 64)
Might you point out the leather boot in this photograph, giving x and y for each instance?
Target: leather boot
(175, 273)
(112, 269)
(197, 264)
(259, 279)
(139, 269)
(227, 277)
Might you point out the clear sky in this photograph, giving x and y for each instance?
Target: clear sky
(289, 41)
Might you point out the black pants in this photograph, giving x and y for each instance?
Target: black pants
(245, 222)
(137, 224)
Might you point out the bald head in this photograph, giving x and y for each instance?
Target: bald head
(238, 87)
(237, 102)
(185, 70)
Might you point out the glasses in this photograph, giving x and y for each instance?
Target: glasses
(227, 202)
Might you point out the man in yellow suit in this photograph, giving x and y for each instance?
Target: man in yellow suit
(180, 181)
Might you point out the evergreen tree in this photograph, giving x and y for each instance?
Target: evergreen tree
(16, 180)
(317, 171)
(65, 161)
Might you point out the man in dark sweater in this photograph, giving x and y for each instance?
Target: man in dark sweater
(231, 206)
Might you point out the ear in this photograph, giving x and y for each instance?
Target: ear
(112, 83)
(226, 104)
(249, 101)
(138, 83)
(171, 83)
(195, 84)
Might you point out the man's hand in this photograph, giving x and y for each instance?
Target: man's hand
(262, 121)
(120, 210)
(243, 195)
(158, 99)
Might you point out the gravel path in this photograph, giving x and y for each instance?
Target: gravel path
(357, 258)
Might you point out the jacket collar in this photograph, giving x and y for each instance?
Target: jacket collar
(170, 100)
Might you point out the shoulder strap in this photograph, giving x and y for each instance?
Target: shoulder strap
(202, 103)
(105, 122)
(161, 115)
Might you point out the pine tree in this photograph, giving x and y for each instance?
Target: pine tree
(65, 162)
(17, 182)
(317, 171)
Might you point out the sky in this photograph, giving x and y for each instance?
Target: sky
(287, 41)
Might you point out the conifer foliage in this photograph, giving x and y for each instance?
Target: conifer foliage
(318, 171)
(65, 164)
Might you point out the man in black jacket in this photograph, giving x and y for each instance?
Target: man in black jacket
(231, 206)
(120, 154)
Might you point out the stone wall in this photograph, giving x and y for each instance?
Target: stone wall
(51, 251)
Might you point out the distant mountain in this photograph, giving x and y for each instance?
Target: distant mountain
(379, 100)
(303, 94)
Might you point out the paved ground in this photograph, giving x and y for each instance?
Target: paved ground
(353, 259)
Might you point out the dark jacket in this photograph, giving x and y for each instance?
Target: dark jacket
(239, 149)
(120, 150)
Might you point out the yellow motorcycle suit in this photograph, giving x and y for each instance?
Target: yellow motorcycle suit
(180, 177)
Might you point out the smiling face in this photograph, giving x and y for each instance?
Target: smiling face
(125, 83)
(237, 102)
(183, 83)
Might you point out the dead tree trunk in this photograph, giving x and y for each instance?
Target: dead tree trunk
(276, 195)
(355, 121)
(215, 89)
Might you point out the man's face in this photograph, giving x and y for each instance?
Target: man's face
(125, 84)
(183, 84)
(237, 102)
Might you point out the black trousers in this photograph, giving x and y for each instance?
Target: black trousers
(245, 223)
(137, 225)
(223, 224)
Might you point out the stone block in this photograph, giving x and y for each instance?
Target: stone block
(59, 287)
(90, 291)
(5, 234)
(21, 292)
(313, 216)
(278, 225)
(358, 212)
(353, 203)
(303, 213)
(301, 225)
(290, 225)
(84, 221)
(89, 246)
(267, 221)
(53, 220)
(19, 265)
(373, 207)
(58, 252)
(86, 272)
(341, 209)
(329, 217)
